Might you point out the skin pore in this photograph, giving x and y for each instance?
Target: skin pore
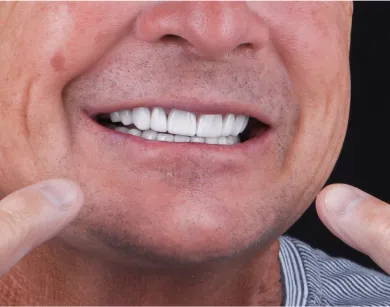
(169, 224)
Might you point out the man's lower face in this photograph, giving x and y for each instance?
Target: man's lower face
(186, 149)
(186, 200)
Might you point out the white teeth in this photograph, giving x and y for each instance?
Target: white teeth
(164, 137)
(134, 131)
(222, 140)
(114, 117)
(112, 126)
(126, 117)
(149, 135)
(228, 124)
(159, 120)
(239, 124)
(209, 126)
(244, 124)
(182, 122)
(122, 129)
(181, 138)
(230, 140)
(196, 139)
(141, 118)
(211, 140)
(182, 126)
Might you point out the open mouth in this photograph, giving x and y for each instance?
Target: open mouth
(159, 124)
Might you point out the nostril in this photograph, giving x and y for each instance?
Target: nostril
(246, 46)
(171, 38)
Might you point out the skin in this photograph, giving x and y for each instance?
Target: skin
(175, 225)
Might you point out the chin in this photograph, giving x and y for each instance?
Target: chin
(186, 231)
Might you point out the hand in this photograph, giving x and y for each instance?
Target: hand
(359, 219)
(32, 215)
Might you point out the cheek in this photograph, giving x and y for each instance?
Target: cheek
(57, 26)
(56, 41)
(313, 43)
(311, 40)
(85, 33)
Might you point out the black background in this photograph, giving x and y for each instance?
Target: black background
(365, 157)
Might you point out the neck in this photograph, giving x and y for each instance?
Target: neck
(55, 274)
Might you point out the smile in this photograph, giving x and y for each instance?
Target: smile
(178, 126)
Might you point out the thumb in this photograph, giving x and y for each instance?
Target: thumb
(34, 214)
(359, 219)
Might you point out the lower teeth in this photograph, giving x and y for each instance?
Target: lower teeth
(166, 137)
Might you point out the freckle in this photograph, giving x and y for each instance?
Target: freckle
(57, 61)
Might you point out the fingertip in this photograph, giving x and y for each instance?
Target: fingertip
(337, 199)
(320, 199)
(63, 193)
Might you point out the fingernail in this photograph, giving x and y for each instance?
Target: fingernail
(340, 199)
(60, 192)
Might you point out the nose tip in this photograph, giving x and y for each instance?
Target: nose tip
(207, 29)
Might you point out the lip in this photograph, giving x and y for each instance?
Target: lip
(258, 144)
(190, 105)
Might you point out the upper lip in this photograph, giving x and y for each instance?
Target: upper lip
(191, 105)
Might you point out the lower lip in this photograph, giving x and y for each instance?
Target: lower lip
(256, 144)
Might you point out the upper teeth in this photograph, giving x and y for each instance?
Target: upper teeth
(182, 123)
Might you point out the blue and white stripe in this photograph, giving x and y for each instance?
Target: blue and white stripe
(310, 277)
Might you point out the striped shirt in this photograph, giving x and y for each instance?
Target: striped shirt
(310, 277)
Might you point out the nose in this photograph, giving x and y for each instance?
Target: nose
(207, 29)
